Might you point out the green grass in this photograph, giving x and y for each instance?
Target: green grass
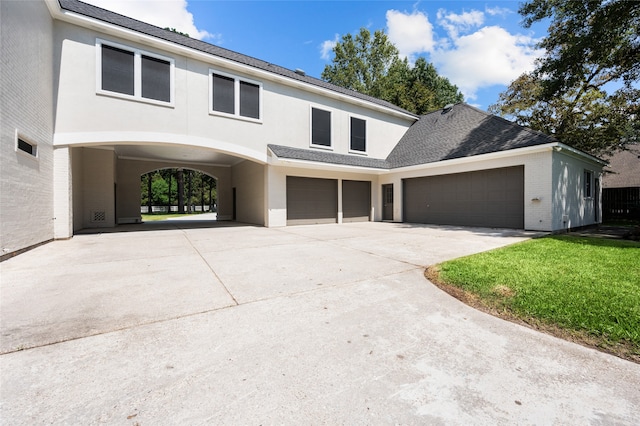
(585, 286)
(164, 216)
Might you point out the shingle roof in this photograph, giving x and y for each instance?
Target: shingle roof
(320, 156)
(462, 131)
(157, 32)
(625, 169)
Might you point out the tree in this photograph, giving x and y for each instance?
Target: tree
(372, 66)
(593, 122)
(589, 43)
(590, 47)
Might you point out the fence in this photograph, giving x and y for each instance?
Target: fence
(621, 203)
(174, 209)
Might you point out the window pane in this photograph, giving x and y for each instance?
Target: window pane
(249, 100)
(223, 94)
(358, 134)
(117, 70)
(320, 127)
(156, 79)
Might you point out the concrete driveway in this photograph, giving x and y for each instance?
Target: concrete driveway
(331, 324)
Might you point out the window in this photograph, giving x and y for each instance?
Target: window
(358, 135)
(23, 145)
(132, 73)
(588, 184)
(235, 96)
(320, 128)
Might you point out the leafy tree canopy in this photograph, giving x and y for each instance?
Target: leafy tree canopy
(370, 64)
(591, 46)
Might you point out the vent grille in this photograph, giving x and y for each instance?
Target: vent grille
(98, 216)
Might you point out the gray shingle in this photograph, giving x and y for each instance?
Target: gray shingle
(157, 32)
(327, 157)
(463, 131)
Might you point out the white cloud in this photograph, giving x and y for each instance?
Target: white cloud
(327, 47)
(412, 33)
(502, 11)
(166, 13)
(455, 23)
(487, 57)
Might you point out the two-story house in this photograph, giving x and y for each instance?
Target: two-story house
(91, 100)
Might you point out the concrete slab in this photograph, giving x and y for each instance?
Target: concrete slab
(375, 344)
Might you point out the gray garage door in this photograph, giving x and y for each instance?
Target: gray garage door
(490, 198)
(311, 200)
(356, 200)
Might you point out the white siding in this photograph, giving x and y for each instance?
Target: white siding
(26, 102)
(571, 208)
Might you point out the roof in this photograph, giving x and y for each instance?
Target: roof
(458, 132)
(327, 157)
(624, 168)
(113, 18)
(462, 131)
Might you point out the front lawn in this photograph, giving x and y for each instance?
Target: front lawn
(582, 289)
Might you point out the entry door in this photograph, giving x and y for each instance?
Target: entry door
(387, 202)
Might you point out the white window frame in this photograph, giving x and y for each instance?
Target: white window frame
(588, 179)
(22, 137)
(137, 74)
(331, 135)
(366, 138)
(236, 96)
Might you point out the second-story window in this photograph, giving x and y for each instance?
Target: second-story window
(132, 73)
(235, 96)
(358, 135)
(320, 128)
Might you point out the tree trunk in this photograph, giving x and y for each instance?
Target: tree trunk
(169, 193)
(202, 192)
(180, 177)
(189, 175)
(149, 195)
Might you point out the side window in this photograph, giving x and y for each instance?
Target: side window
(235, 96)
(132, 73)
(588, 184)
(320, 127)
(358, 135)
(26, 146)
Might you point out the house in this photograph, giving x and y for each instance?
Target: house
(621, 186)
(91, 100)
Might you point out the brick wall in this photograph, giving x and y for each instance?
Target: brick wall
(26, 106)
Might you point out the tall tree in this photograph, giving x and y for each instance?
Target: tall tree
(371, 65)
(591, 47)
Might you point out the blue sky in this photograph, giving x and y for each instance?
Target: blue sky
(479, 45)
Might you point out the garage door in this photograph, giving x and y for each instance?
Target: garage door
(489, 198)
(311, 200)
(356, 200)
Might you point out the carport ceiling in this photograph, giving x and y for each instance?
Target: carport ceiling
(178, 154)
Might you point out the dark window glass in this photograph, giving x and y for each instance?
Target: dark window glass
(358, 134)
(320, 127)
(26, 147)
(587, 184)
(249, 100)
(156, 79)
(117, 70)
(223, 94)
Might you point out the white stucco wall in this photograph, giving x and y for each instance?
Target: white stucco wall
(538, 199)
(88, 117)
(26, 105)
(248, 178)
(571, 208)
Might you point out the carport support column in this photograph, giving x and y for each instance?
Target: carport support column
(275, 199)
(62, 193)
(339, 200)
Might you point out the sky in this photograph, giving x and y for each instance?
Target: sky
(480, 46)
